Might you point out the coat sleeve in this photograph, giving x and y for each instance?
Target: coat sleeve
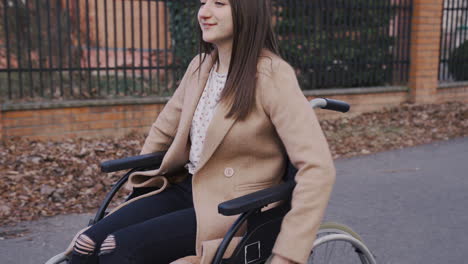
(163, 130)
(299, 130)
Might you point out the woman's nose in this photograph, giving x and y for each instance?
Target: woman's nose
(204, 12)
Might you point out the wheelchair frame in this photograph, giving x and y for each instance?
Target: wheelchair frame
(262, 227)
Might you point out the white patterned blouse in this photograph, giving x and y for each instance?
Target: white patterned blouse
(203, 115)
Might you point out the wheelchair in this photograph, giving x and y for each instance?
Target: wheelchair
(335, 243)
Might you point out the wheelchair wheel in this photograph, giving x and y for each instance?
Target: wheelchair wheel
(336, 228)
(337, 243)
(61, 258)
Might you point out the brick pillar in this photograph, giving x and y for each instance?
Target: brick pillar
(425, 48)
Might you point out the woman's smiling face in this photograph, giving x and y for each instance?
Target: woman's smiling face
(215, 19)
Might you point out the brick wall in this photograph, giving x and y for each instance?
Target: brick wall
(452, 92)
(70, 120)
(75, 119)
(84, 121)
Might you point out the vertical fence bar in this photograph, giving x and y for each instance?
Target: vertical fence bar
(338, 38)
(18, 50)
(116, 81)
(49, 39)
(458, 30)
(132, 25)
(173, 56)
(318, 37)
(28, 36)
(7, 40)
(344, 39)
(399, 38)
(379, 38)
(88, 48)
(334, 29)
(98, 47)
(408, 42)
(166, 48)
(69, 46)
(80, 50)
(315, 39)
(449, 28)
(384, 38)
(386, 31)
(402, 33)
(59, 33)
(369, 38)
(348, 34)
(329, 52)
(150, 47)
(303, 36)
(141, 46)
(449, 35)
(396, 7)
(376, 39)
(124, 38)
(158, 61)
(39, 42)
(465, 30)
(106, 40)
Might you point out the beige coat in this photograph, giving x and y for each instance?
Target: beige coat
(240, 157)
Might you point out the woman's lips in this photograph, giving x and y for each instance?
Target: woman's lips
(206, 25)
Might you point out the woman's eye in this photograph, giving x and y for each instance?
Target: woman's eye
(219, 3)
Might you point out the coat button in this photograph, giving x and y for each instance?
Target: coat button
(228, 172)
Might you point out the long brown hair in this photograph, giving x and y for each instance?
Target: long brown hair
(253, 31)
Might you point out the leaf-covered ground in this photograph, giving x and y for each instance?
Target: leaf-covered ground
(47, 178)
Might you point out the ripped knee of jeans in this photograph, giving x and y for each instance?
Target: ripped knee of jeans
(108, 245)
(84, 245)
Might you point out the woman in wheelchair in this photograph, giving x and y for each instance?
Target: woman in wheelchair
(236, 118)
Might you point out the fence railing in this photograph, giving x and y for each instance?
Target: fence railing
(454, 41)
(80, 49)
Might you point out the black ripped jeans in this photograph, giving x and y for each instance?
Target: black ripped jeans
(156, 229)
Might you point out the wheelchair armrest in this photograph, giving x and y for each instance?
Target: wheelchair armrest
(141, 161)
(257, 199)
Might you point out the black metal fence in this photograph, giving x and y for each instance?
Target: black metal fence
(79, 49)
(454, 41)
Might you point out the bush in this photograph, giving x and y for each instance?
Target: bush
(458, 62)
(183, 21)
(336, 44)
(330, 43)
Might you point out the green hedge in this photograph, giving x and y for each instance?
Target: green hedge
(183, 22)
(336, 43)
(331, 43)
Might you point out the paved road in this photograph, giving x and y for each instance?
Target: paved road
(409, 205)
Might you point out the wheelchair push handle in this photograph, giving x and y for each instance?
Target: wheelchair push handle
(330, 104)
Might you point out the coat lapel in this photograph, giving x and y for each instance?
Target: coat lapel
(218, 127)
(181, 143)
(217, 130)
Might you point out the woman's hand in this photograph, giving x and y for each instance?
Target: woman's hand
(277, 259)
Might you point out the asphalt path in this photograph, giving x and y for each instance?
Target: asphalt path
(409, 205)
